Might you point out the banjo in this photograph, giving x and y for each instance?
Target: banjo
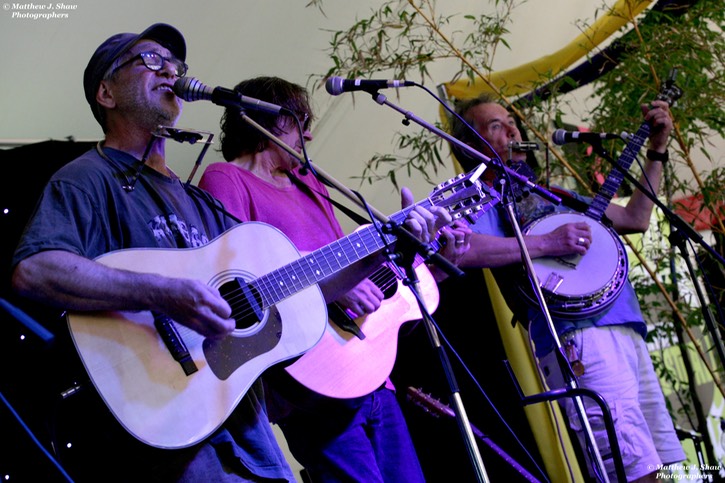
(580, 286)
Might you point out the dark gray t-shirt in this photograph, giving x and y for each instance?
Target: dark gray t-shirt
(85, 210)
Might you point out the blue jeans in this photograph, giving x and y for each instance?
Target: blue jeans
(362, 440)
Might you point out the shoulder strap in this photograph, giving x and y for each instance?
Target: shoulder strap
(568, 200)
(360, 220)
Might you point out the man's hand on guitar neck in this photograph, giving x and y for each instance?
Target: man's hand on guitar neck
(351, 288)
(635, 216)
(455, 241)
(423, 223)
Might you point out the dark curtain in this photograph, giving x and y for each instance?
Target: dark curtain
(34, 372)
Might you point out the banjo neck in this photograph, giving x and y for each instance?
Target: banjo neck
(669, 93)
(610, 186)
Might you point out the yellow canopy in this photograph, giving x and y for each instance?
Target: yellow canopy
(525, 78)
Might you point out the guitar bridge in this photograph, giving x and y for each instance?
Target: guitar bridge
(553, 282)
(174, 343)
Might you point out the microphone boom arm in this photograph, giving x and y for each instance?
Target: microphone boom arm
(400, 231)
(409, 116)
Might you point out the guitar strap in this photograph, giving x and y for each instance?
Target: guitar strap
(335, 312)
(568, 200)
(360, 220)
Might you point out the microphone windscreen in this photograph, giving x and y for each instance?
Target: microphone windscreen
(191, 89)
(559, 137)
(333, 86)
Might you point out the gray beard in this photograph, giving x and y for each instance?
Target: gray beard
(151, 117)
(158, 117)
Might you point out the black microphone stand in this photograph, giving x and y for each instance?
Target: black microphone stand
(510, 174)
(680, 233)
(459, 410)
(572, 390)
(47, 340)
(425, 250)
(408, 247)
(413, 245)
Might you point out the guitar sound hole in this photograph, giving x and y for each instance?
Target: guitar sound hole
(245, 301)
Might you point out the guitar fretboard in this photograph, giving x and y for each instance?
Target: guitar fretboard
(326, 261)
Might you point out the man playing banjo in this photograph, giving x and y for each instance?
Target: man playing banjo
(605, 345)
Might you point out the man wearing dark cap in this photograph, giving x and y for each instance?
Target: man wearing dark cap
(123, 195)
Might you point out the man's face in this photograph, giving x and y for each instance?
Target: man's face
(144, 95)
(497, 126)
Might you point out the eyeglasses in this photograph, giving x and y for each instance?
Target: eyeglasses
(304, 119)
(155, 62)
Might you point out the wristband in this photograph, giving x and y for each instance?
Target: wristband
(653, 155)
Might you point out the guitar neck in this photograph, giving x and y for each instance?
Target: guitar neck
(610, 186)
(462, 196)
(436, 407)
(326, 261)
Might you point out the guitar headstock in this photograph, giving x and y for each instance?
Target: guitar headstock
(428, 403)
(670, 92)
(465, 196)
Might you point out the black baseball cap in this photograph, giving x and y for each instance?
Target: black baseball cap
(117, 45)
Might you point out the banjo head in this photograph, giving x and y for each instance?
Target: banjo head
(578, 286)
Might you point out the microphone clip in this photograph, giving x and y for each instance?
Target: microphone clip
(182, 135)
(523, 146)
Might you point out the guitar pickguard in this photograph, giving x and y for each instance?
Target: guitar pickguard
(228, 354)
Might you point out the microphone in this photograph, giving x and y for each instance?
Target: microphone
(191, 89)
(561, 137)
(523, 146)
(337, 85)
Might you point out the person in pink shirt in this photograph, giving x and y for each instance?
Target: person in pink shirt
(360, 439)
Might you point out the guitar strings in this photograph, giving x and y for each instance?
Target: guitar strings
(384, 278)
(306, 271)
(302, 274)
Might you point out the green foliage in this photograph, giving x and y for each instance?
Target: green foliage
(424, 157)
(396, 39)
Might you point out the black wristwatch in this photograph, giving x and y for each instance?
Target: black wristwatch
(653, 155)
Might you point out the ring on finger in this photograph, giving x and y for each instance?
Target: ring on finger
(581, 241)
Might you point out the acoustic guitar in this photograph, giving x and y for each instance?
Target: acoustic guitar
(169, 386)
